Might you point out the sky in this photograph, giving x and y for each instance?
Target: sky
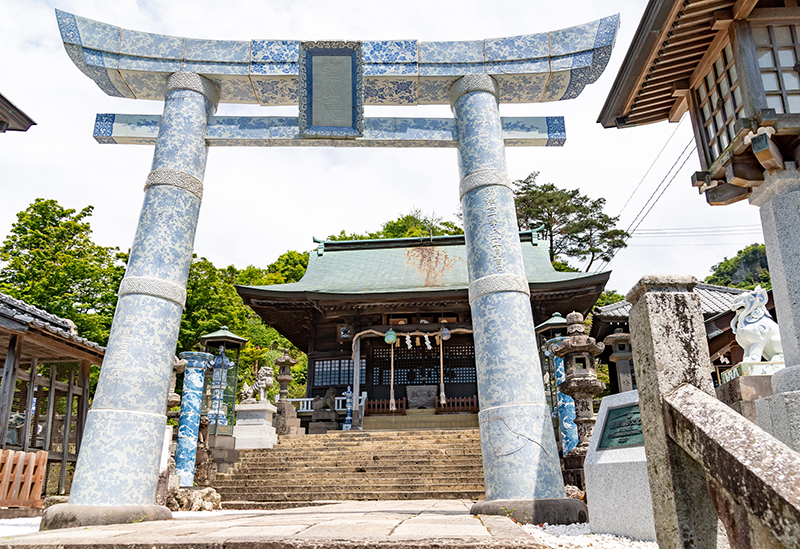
(260, 202)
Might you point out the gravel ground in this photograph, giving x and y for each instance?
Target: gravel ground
(580, 535)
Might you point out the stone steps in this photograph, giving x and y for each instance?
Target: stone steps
(356, 466)
(276, 498)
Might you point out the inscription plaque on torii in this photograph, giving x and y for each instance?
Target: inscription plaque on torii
(330, 82)
(331, 89)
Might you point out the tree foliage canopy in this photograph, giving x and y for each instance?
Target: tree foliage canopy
(573, 224)
(746, 269)
(49, 260)
(412, 224)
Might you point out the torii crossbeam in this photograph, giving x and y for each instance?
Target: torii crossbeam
(331, 82)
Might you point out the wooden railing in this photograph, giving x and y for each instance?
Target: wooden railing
(454, 405)
(381, 407)
(21, 478)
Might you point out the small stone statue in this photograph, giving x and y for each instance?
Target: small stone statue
(326, 402)
(178, 367)
(756, 332)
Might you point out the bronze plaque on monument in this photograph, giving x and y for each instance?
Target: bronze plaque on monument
(622, 429)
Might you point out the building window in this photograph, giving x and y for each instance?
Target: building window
(337, 371)
(419, 366)
(777, 50)
(719, 98)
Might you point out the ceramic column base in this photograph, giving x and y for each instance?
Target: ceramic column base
(66, 515)
(520, 458)
(535, 511)
(124, 446)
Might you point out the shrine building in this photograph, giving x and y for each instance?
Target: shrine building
(354, 292)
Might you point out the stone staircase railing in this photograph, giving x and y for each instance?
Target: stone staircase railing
(716, 478)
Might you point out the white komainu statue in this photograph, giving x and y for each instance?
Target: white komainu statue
(262, 383)
(755, 330)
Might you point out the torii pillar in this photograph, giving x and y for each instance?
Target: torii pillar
(117, 472)
(521, 466)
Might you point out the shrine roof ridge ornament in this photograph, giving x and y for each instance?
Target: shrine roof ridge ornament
(533, 68)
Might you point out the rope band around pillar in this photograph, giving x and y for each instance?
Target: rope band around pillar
(153, 287)
(498, 283)
(196, 83)
(483, 178)
(473, 83)
(175, 178)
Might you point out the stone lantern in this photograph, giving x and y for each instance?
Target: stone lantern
(622, 356)
(286, 421)
(580, 372)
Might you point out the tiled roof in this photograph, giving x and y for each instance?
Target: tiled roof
(409, 265)
(23, 313)
(713, 300)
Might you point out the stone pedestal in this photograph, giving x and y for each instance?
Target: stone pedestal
(741, 394)
(573, 470)
(778, 199)
(322, 421)
(617, 485)
(779, 415)
(253, 427)
(285, 419)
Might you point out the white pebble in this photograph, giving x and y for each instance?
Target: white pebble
(580, 535)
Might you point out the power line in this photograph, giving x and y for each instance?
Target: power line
(639, 218)
(650, 168)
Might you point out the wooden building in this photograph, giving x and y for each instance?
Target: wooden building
(355, 291)
(715, 302)
(12, 118)
(734, 65)
(44, 394)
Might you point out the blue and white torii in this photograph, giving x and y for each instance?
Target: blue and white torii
(331, 82)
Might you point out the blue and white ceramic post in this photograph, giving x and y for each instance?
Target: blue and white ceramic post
(520, 458)
(118, 463)
(189, 423)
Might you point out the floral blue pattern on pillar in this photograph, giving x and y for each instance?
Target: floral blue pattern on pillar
(520, 457)
(118, 463)
(189, 424)
(566, 413)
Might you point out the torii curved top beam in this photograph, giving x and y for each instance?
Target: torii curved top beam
(533, 68)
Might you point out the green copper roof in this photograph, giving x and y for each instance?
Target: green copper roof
(407, 265)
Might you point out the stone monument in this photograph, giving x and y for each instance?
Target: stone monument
(617, 485)
(520, 460)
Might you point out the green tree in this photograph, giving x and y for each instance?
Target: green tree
(746, 269)
(574, 225)
(608, 297)
(413, 224)
(212, 302)
(50, 261)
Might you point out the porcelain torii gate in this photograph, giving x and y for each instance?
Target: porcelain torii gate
(331, 81)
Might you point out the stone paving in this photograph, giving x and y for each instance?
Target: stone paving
(361, 524)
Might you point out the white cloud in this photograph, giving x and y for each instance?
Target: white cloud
(261, 202)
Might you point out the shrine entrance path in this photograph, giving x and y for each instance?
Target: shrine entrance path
(362, 524)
